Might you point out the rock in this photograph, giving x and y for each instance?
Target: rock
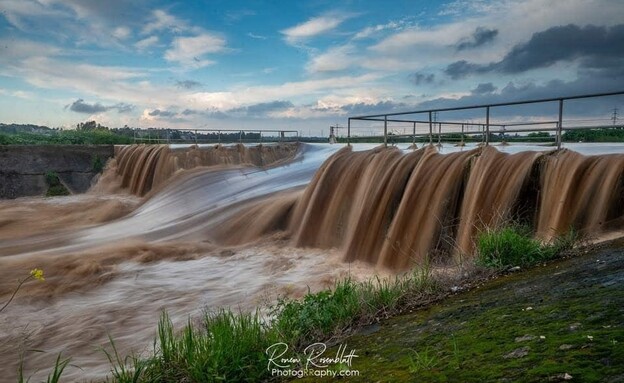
(524, 338)
(560, 377)
(574, 326)
(518, 353)
(565, 347)
(515, 268)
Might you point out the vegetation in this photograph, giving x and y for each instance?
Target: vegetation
(594, 135)
(97, 164)
(55, 186)
(34, 274)
(511, 246)
(65, 137)
(231, 346)
(561, 322)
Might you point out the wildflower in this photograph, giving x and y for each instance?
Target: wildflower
(37, 274)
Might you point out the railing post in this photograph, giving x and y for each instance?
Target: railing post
(385, 131)
(462, 134)
(414, 136)
(560, 124)
(349, 132)
(430, 129)
(487, 126)
(439, 134)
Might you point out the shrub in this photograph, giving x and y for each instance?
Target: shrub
(514, 246)
(97, 164)
(55, 187)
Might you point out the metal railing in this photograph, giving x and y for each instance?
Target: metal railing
(486, 127)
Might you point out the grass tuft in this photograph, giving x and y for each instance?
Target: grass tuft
(514, 246)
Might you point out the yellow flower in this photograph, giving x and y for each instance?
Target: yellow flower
(37, 274)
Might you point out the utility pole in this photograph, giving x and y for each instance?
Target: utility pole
(614, 117)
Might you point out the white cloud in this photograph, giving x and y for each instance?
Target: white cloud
(189, 51)
(300, 91)
(313, 27)
(370, 31)
(161, 20)
(146, 43)
(257, 37)
(122, 33)
(17, 93)
(13, 50)
(334, 59)
(17, 10)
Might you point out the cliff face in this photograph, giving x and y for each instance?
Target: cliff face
(23, 168)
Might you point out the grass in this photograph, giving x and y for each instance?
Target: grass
(574, 327)
(53, 377)
(422, 361)
(511, 246)
(231, 346)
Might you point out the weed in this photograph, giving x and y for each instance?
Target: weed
(421, 361)
(97, 164)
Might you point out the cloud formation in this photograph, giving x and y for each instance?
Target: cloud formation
(162, 113)
(481, 36)
(419, 78)
(593, 47)
(80, 106)
(259, 110)
(191, 51)
(313, 27)
(188, 84)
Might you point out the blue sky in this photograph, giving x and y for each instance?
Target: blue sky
(295, 64)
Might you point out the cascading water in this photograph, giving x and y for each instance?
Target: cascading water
(145, 167)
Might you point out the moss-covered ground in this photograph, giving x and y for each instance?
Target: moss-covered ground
(560, 322)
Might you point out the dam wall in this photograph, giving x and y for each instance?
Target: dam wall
(23, 168)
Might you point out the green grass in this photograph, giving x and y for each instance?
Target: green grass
(514, 246)
(574, 326)
(231, 347)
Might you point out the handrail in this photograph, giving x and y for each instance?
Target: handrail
(559, 128)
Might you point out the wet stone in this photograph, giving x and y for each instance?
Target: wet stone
(518, 353)
(524, 338)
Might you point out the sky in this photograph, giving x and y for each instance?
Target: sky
(300, 65)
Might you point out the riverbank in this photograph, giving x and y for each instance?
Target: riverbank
(560, 322)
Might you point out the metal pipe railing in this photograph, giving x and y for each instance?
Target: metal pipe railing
(488, 125)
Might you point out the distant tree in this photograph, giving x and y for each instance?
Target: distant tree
(90, 126)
